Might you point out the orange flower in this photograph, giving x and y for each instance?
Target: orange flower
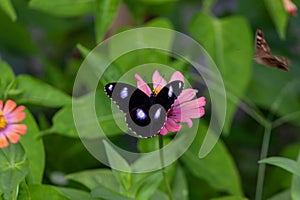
(10, 115)
(290, 7)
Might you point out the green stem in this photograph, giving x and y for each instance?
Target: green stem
(262, 167)
(161, 153)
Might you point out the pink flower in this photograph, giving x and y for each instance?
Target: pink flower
(290, 7)
(185, 107)
(10, 114)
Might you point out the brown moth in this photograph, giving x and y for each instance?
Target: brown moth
(264, 55)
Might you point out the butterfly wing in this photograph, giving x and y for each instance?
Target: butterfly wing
(120, 93)
(261, 46)
(169, 94)
(264, 56)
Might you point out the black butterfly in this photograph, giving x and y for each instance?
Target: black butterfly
(145, 116)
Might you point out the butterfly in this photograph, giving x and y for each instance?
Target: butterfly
(264, 55)
(145, 115)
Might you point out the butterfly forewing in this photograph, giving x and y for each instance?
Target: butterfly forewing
(169, 94)
(264, 55)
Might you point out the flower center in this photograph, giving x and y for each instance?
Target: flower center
(3, 121)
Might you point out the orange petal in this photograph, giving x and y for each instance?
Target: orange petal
(13, 137)
(9, 106)
(1, 105)
(18, 128)
(3, 141)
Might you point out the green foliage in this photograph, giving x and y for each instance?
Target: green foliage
(42, 45)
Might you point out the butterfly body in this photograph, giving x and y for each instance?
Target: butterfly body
(145, 115)
(264, 55)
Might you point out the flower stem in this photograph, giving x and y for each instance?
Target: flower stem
(262, 167)
(161, 153)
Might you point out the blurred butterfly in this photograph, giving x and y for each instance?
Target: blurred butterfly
(145, 116)
(264, 55)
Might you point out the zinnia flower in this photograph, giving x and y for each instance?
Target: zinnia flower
(290, 7)
(185, 107)
(10, 114)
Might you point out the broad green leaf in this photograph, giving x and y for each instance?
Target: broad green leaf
(93, 178)
(15, 37)
(217, 168)
(119, 165)
(37, 92)
(284, 163)
(45, 192)
(295, 188)
(159, 195)
(34, 148)
(6, 79)
(106, 11)
(8, 8)
(278, 15)
(13, 168)
(73, 194)
(64, 8)
(232, 57)
(64, 124)
(144, 188)
(284, 195)
(180, 185)
(23, 193)
(230, 198)
(107, 194)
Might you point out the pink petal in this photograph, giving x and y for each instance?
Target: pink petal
(163, 131)
(158, 81)
(186, 95)
(177, 76)
(9, 106)
(1, 105)
(172, 126)
(17, 115)
(290, 7)
(142, 85)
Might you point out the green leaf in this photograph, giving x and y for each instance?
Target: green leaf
(230, 198)
(284, 195)
(232, 57)
(107, 194)
(64, 124)
(145, 185)
(34, 148)
(45, 192)
(217, 168)
(6, 78)
(39, 93)
(159, 195)
(73, 194)
(284, 163)
(180, 185)
(155, 2)
(13, 168)
(106, 11)
(64, 8)
(93, 178)
(295, 191)
(8, 8)
(278, 15)
(23, 193)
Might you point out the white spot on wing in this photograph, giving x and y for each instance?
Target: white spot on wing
(124, 93)
(110, 87)
(140, 114)
(170, 92)
(157, 113)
